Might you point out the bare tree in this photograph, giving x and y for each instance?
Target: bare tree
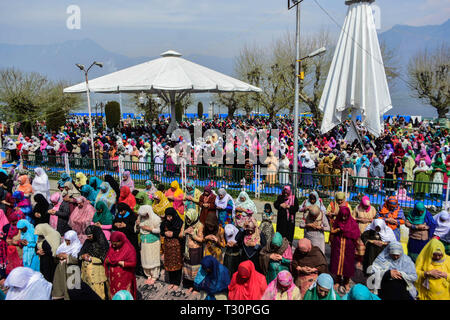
(429, 78)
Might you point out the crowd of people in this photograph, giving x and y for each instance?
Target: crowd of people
(410, 159)
(212, 244)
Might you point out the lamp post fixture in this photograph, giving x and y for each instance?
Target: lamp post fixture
(82, 68)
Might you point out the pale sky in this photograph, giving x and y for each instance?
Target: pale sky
(209, 27)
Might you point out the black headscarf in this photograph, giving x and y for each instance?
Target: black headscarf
(174, 225)
(98, 246)
(42, 206)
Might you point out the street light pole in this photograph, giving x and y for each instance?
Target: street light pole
(297, 87)
(82, 68)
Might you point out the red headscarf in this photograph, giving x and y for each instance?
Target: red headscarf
(127, 197)
(247, 283)
(349, 227)
(125, 253)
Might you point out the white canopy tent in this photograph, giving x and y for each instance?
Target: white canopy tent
(170, 77)
(356, 82)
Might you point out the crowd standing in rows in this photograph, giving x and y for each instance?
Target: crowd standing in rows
(212, 244)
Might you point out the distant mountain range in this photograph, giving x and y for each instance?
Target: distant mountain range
(57, 61)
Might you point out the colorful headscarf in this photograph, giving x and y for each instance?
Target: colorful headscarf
(284, 279)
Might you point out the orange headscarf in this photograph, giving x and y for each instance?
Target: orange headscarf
(25, 185)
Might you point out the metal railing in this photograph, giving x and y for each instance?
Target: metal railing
(256, 182)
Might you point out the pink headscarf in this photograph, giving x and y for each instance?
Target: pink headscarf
(283, 279)
(3, 220)
(81, 218)
(365, 203)
(56, 200)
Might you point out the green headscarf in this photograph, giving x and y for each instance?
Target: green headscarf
(105, 217)
(142, 199)
(417, 215)
(439, 163)
(277, 239)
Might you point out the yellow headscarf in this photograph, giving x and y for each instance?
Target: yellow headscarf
(178, 190)
(81, 179)
(160, 207)
(429, 288)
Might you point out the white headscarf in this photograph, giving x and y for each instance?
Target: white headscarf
(231, 232)
(27, 284)
(443, 224)
(386, 233)
(308, 163)
(40, 183)
(75, 245)
(222, 203)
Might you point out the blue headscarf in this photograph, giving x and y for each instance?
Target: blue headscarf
(95, 183)
(213, 282)
(325, 281)
(360, 292)
(64, 178)
(363, 161)
(89, 193)
(30, 259)
(123, 295)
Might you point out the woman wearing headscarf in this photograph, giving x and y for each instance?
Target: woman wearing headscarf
(127, 181)
(345, 232)
(40, 183)
(276, 256)
(362, 171)
(23, 204)
(148, 226)
(27, 284)
(283, 173)
(251, 240)
(114, 185)
(245, 208)
(287, 206)
(322, 289)
(282, 288)
(59, 213)
(266, 225)
(81, 217)
(360, 292)
(28, 242)
(160, 203)
(213, 238)
(272, 168)
(315, 222)
(124, 222)
(442, 220)
(394, 274)
(438, 169)
(392, 214)
(308, 262)
(25, 186)
(171, 228)
(308, 167)
(390, 169)
(106, 195)
(433, 271)
(120, 265)
(142, 199)
(40, 210)
(192, 196)
(247, 283)
(103, 218)
(421, 227)
(421, 180)
(67, 255)
(95, 183)
(176, 196)
(150, 189)
(80, 180)
(364, 214)
(89, 193)
(63, 179)
(232, 254)
(207, 204)
(225, 207)
(335, 205)
(92, 255)
(212, 279)
(375, 238)
(126, 197)
(47, 244)
(193, 251)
